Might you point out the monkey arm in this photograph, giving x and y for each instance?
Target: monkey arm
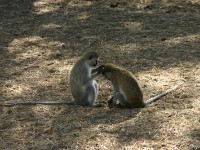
(98, 69)
(95, 70)
(89, 81)
(110, 101)
(113, 99)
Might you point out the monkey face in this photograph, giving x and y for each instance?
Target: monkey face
(93, 62)
(105, 71)
(109, 71)
(92, 58)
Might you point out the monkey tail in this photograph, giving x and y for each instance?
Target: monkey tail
(153, 99)
(38, 103)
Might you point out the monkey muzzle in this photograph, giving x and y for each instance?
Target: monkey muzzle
(93, 63)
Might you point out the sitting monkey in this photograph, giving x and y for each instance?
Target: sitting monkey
(126, 88)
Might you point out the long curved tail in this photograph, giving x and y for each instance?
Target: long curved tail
(153, 99)
(38, 103)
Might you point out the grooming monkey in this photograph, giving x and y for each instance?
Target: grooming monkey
(83, 86)
(126, 87)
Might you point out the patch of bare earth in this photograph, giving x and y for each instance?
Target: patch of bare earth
(159, 41)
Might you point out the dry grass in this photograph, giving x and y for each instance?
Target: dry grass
(159, 41)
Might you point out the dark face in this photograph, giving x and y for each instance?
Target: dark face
(105, 71)
(92, 59)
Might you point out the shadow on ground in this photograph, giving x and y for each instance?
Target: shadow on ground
(40, 41)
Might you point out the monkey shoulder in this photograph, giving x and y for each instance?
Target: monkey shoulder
(125, 73)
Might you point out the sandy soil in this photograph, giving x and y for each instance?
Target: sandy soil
(159, 41)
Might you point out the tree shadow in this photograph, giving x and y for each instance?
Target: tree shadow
(144, 39)
(86, 123)
(195, 135)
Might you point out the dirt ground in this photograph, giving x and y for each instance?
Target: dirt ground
(159, 41)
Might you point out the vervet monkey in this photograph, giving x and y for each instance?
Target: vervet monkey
(126, 88)
(83, 86)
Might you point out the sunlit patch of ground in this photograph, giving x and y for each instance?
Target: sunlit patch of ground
(157, 41)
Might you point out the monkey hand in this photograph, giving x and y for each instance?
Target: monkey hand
(101, 69)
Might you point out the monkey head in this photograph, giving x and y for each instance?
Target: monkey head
(92, 58)
(107, 70)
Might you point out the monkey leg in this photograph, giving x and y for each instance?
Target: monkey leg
(112, 102)
(122, 101)
(97, 93)
(98, 70)
(96, 88)
(90, 96)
